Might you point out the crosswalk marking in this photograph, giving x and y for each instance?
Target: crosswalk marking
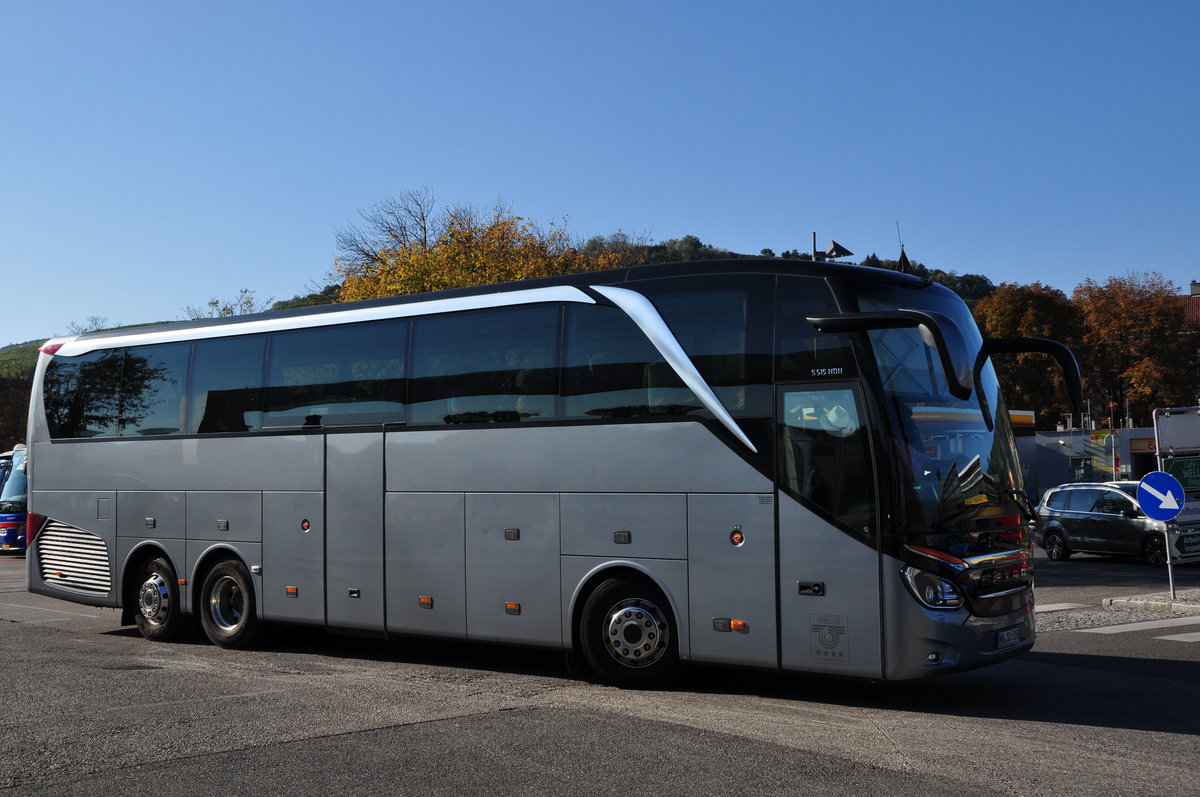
(1192, 637)
(1058, 607)
(1147, 625)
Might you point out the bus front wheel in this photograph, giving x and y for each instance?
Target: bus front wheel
(158, 617)
(227, 606)
(627, 634)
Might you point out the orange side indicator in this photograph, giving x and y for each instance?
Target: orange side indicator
(737, 625)
(183, 582)
(425, 602)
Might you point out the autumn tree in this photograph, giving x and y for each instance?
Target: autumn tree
(471, 248)
(1030, 381)
(1135, 351)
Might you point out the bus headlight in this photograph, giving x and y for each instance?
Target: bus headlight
(932, 591)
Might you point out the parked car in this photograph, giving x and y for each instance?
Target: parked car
(1098, 518)
(13, 502)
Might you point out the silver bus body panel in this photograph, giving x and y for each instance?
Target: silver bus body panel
(726, 580)
(354, 596)
(512, 558)
(224, 515)
(159, 515)
(673, 457)
(838, 631)
(293, 578)
(258, 462)
(649, 525)
(425, 557)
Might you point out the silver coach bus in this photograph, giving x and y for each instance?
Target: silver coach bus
(759, 463)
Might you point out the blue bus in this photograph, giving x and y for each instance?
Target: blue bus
(13, 503)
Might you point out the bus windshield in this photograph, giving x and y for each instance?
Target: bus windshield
(957, 472)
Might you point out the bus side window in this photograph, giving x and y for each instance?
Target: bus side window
(81, 394)
(337, 375)
(226, 392)
(485, 366)
(154, 389)
(612, 371)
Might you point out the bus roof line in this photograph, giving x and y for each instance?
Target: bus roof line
(642, 312)
(560, 293)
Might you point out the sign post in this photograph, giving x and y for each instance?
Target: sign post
(1162, 498)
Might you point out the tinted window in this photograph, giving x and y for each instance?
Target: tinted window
(154, 389)
(1112, 503)
(723, 322)
(802, 352)
(1083, 500)
(486, 366)
(82, 394)
(613, 371)
(337, 375)
(227, 384)
(1058, 499)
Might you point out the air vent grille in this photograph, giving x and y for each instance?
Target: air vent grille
(73, 559)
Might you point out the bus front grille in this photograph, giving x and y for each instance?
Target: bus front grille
(73, 559)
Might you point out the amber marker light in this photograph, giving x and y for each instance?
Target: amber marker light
(737, 625)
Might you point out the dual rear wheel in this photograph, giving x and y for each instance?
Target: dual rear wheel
(226, 604)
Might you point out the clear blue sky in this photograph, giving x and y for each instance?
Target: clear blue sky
(156, 155)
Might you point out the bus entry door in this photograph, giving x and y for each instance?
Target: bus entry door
(828, 556)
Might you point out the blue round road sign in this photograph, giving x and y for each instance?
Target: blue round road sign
(1160, 495)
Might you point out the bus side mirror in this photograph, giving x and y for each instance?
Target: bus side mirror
(937, 331)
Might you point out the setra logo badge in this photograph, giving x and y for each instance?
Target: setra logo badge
(829, 638)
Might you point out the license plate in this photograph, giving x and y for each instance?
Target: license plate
(1008, 637)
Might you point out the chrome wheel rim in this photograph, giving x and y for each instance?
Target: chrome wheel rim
(226, 603)
(636, 634)
(1054, 546)
(154, 600)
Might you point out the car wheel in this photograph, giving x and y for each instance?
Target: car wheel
(227, 606)
(1056, 547)
(628, 635)
(1155, 550)
(159, 616)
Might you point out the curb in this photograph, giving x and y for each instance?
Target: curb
(1185, 602)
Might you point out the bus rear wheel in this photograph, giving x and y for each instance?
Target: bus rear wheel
(158, 616)
(628, 636)
(227, 606)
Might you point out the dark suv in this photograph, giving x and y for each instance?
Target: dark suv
(1097, 518)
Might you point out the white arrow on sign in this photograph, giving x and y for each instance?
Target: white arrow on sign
(1168, 500)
